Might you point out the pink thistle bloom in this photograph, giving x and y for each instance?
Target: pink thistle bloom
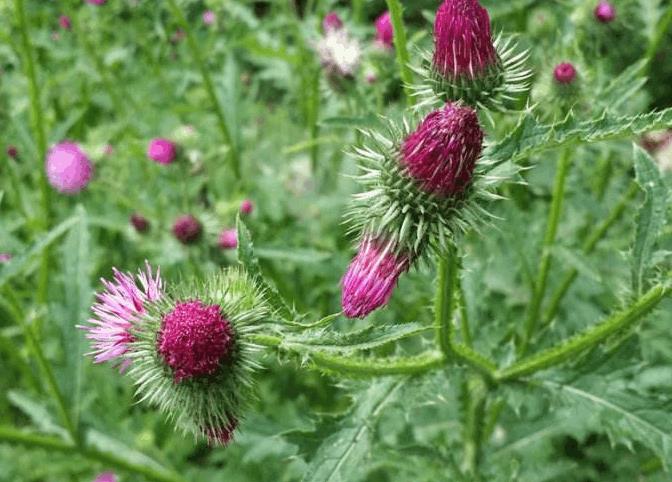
(605, 12)
(139, 222)
(68, 169)
(117, 309)
(194, 339)
(564, 73)
(162, 150)
(65, 22)
(12, 152)
(209, 17)
(371, 277)
(96, 2)
(384, 31)
(187, 229)
(442, 152)
(246, 207)
(332, 22)
(222, 436)
(463, 45)
(106, 477)
(5, 257)
(228, 239)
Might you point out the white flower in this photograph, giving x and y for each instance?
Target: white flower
(339, 53)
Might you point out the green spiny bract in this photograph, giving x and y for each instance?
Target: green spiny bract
(211, 404)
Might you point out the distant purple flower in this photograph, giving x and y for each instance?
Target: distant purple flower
(228, 239)
(332, 22)
(384, 30)
(246, 207)
(65, 22)
(605, 12)
(564, 73)
(139, 222)
(5, 257)
(106, 477)
(162, 150)
(209, 17)
(117, 309)
(96, 2)
(12, 152)
(69, 170)
(187, 229)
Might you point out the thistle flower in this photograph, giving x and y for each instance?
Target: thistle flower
(12, 152)
(372, 276)
(384, 31)
(209, 17)
(139, 222)
(441, 154)
(106, 477)
(564, 73)
(246, 207)
(161, 150)
(228, 239)
(605, 12)
(120, 306)
(5, 257)
(332, 22)
(187, 229)
(68, 169)
(65, 22)
(340, 54)
(96, 2)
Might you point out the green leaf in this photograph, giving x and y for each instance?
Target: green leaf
(370, 337)
(37, 412)
(292, 255)
(650, 218)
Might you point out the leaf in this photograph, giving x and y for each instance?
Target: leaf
(37, 412)
(577, 261)
(342, 456)
(650, 218)
(530, 136)
(370, 337)
(292, 255)
(623, 87)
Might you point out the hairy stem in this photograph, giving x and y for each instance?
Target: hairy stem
(474, 398)
(209, 87)
(465, 330)
(549, 240)
(444, 303)
(588, 339)
(400, 45)
(474, 359)
(588, 247)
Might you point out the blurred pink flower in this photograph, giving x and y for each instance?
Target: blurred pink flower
(161, 150)
(332, 22)
(69, 170)
(5, 257)
(65, 22)
(228, 239)
(246, 207)
(209, 17)
(106, 477)
(384, 31)
(96, 2)
(564, 73)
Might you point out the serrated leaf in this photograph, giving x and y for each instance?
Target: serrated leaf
(650, 217)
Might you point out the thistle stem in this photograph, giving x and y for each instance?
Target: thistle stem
(588, 247)
(465, 330)
(588, 339)
(209, 87)
(549, 240)
(400, 45)
(444, 303)
(474, 398)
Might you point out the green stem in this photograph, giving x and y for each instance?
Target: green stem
(589, 338)
(588, 247)
(400, 45)
(474, 359)
(37, 117)
(12, 435)
(358, 10)
(444, 303)
(313, 119)
(377, 367)
(209, 87)
(475, 394)
(549, 240)
(465, 330)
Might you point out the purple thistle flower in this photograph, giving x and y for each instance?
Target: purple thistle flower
(209, 17)
(187, 229)
(12, 152)
(246, 207)
(106, 477)
(161, 150)
(5, 257)
(332, 22)
(117, 309)
(564, 73)
(442, 152)
(222, 436)
(384, 31)
(371, 277)
(139, 222)
(605, 12)
(228, 239)
(194, 339)
(65, 22)
(463, 45)
(68, 169)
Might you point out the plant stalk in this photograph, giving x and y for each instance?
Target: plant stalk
(444, 303)
(401, 47)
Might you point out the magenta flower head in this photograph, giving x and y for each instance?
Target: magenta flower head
(209, 17)
(384, 31)
(65, 22)
(139, 222)
(371, 277)
(162, 150)
(5, 257)
(442, 152)
(12, 152)
(187, 229)
(121, 305)
(228, 239)
(106, 477)
(332, 22)
(222, 435)
(69, 170)
(564, 73)
(246, 207)
(605, 12)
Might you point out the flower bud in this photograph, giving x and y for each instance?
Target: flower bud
(139, 222)
(106, 477)
(162, 151)
(68, 168)
(12, 152)
(332, 22)
(209, 17)
(5, 257)
(564, 73)
(228, 239)
(64, 22)
(96, 2)
(605, 12)
(246, 207)
(384, 31)
(187, 229)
